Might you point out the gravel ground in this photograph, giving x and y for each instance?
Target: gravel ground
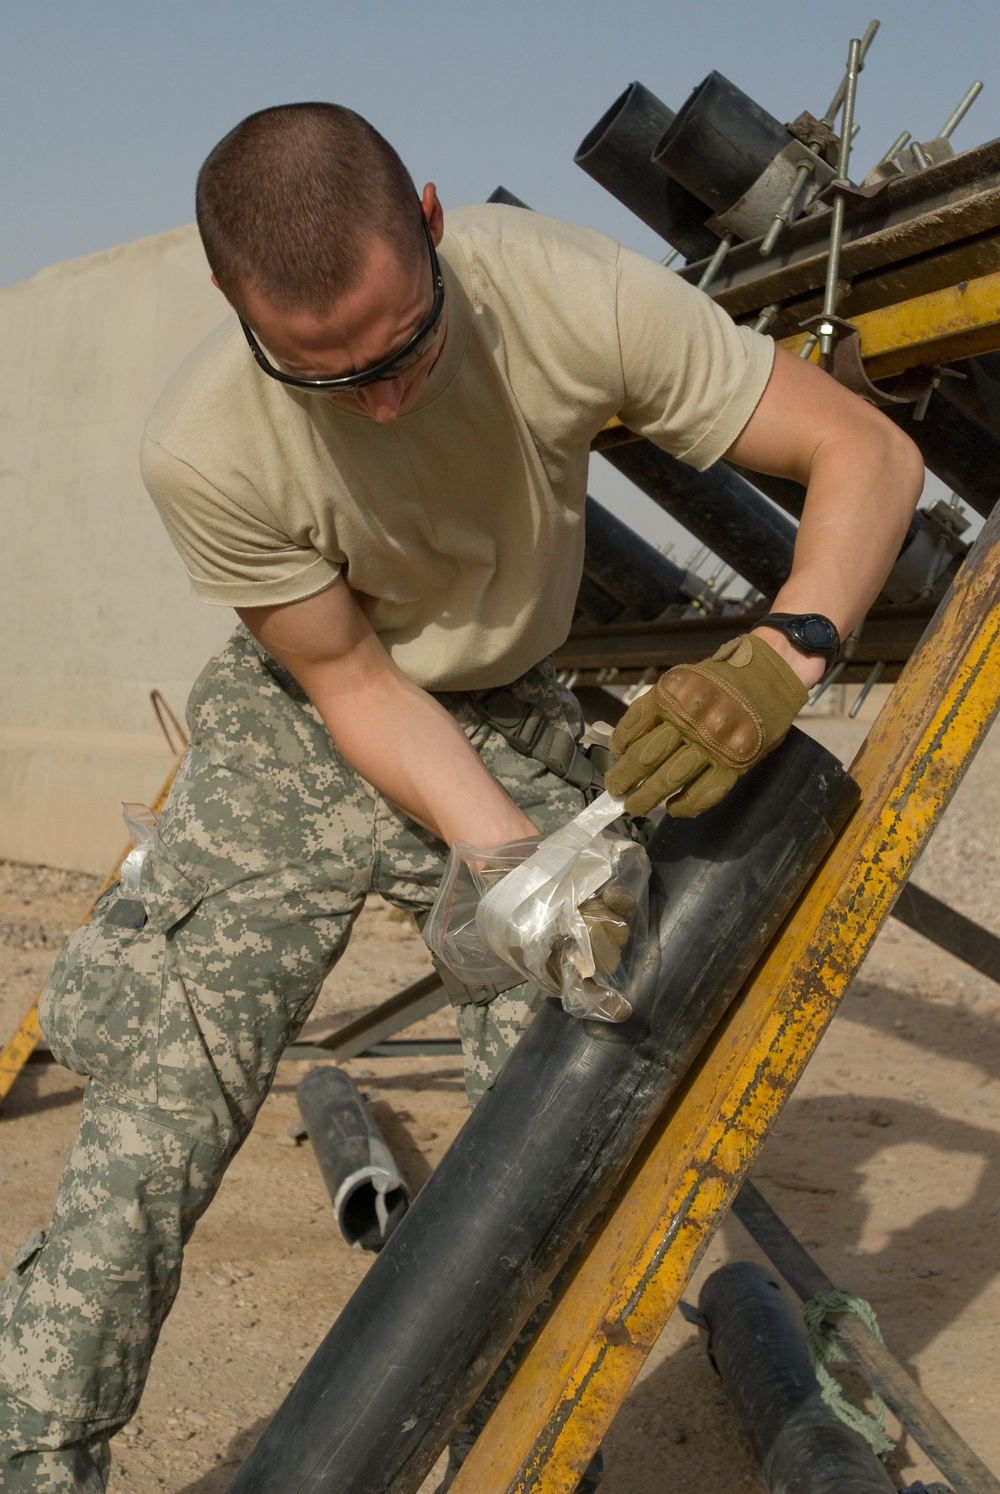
(885, 1162)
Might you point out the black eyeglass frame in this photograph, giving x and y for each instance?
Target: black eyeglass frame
(415, 347)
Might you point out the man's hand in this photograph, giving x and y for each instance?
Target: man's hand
(701, 726)
(393, 733)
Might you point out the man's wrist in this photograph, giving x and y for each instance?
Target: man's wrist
(809, 668)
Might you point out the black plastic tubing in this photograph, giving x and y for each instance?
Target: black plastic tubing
(718, 507)
(757, 1344)
(544, 1149)
(719, 142)
(628, 567)
(618, 152)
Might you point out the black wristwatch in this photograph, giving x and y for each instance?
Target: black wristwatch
(809, 632)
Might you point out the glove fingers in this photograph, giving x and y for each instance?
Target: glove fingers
(680, 769)
(641, 716)
(704, 793)
(646, 753)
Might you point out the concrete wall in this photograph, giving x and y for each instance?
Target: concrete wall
(94, 604)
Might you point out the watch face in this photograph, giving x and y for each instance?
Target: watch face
(817, 632)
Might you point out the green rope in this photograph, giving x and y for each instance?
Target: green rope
(824, 1350)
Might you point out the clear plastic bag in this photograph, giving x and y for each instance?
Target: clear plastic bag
(523, 906)
(141, 823)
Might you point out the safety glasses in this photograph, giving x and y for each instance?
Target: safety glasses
(415, 348)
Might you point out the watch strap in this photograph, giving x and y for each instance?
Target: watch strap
(784, 623)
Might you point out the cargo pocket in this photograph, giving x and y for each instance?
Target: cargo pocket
(20, 1274)
(100, 1010)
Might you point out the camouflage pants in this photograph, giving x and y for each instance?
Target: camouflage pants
(267, 847)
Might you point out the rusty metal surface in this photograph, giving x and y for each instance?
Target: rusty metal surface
(943, 266)
(911, 216)
(889, 633)
(957, 321)
(635, 1265)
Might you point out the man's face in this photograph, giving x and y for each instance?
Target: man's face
(369, 323)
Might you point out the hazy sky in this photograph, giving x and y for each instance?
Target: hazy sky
(107, 107)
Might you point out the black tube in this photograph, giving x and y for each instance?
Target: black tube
(629, 567)
(501, 195)
(757, 1345)
(956, 448)
(368, 1195)
(719, 142)
(595, 606)
(617, 153)
(718, 507)
(544, 1149)
(784, 491)
(978, 393)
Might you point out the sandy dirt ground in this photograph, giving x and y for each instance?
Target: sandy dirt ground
(885, 1163)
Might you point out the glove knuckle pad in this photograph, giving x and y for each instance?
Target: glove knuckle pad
(715, 713)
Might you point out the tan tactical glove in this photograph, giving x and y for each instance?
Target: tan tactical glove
(701, 726)
(608, 917)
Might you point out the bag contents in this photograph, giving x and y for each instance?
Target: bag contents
(568, 912)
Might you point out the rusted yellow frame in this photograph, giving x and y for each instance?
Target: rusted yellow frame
(563, 1398)
(15, 1054)
(940, 327)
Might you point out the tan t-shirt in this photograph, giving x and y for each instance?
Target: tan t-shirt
(459, 526)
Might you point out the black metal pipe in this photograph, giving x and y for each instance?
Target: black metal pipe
(632, 570)
(718, 507)
(784, 491)
(719, 142)
(368, 1195)
(544, 1149)
(595, 606)
(978, 393)
(617, 153)
(757, 1344)
(956, 448)
(501, 195)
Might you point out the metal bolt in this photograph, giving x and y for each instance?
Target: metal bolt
(830, 293)
(961, 110)
(716, 262)
(866, 688)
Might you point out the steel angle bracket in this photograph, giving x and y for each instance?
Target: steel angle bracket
(634, 1267)
(847, 367)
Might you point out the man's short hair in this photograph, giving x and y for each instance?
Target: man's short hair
(290, 200)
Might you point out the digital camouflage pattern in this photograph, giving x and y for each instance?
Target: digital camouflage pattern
(266, 850)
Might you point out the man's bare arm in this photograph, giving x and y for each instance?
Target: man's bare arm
(391, 732)
(863, 479)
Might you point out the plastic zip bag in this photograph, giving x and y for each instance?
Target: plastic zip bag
(141, 823)
(521, 906)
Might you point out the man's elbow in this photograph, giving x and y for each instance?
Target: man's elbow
(903, 461)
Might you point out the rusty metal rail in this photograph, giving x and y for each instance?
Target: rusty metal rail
(889, 633)
(634, 1266)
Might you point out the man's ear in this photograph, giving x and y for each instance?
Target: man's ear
(216, 283)
(433, 212)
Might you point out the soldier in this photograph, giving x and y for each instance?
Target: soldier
(379, 460)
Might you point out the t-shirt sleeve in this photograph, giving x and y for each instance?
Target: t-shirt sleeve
(692, 378)
(233, 557)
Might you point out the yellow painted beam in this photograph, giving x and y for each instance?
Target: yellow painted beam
(566, 1392)
(15, 1054)
(940, 327)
